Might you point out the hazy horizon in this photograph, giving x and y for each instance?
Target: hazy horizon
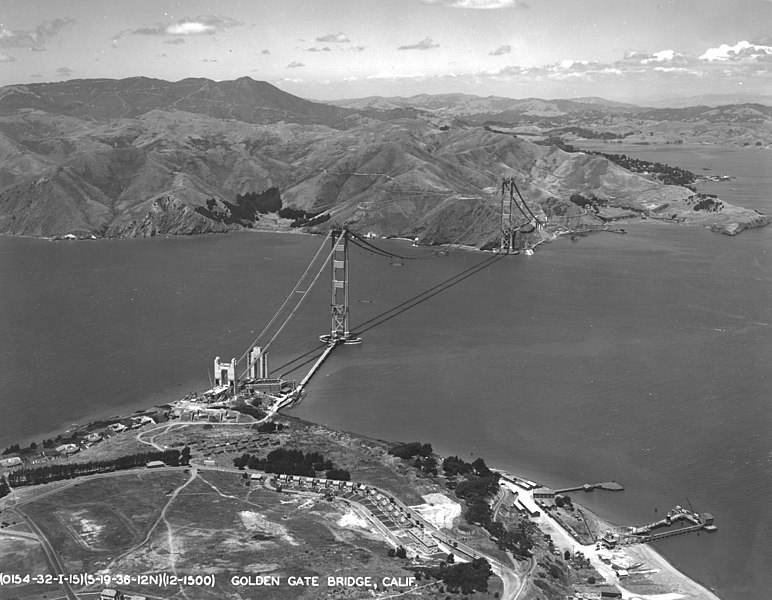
(620, 50)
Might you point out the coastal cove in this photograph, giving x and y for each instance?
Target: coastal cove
(641, 357)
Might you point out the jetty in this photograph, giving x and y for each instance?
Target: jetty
(611, 486)
(689, 520)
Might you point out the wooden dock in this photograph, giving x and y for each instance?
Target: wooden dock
(611, 486)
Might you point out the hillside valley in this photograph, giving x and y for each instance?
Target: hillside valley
(141, 157)
(729, 123)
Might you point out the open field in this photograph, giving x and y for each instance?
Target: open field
(94, 520)
(24, 557)
(207, 523)
(367, 460)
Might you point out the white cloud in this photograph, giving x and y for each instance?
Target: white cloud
(661, 56)
(6, 58)
(740, 51)
(501, 50)
(64, 71)
(295, 65)
(337, 38)
(33, 38)
(424, 44)
(201, 25)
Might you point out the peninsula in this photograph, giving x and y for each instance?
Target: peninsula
(204, 499)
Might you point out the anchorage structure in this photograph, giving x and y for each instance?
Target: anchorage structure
(339, 329)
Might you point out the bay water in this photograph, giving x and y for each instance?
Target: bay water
(643, 358)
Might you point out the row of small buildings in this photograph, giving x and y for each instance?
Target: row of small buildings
(85, 442)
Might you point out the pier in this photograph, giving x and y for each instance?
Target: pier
(611, 486)
(643, 533)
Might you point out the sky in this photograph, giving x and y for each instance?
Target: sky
(627, 50)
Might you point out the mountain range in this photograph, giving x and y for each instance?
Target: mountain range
(142, 157)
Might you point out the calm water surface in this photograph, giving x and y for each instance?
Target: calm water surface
(642, 358)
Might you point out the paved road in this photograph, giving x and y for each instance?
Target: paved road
(55, 565)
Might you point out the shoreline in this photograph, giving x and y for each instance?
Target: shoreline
(689, 587)
(648, 553)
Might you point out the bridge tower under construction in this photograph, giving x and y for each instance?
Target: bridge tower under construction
(507, 218)
(339, 304)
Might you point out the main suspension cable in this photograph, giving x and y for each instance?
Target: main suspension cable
(291, 295)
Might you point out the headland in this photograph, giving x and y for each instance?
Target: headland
(226, 492)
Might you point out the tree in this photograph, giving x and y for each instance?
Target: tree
(453, 465)
(401, 552)
(480, 468)
(11, 449)
(411, 449)
(429, 465)
(567, 555)
(339, 474)
(479, 512)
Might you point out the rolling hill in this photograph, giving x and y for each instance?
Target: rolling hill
(142, 157)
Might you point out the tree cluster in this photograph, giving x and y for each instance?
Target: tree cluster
(706, 202)
(400, 552)
(291, 462)
(11, 449)
(454, 466)
(338, 474)
(466, 578)
(665, 173)
(410, 450)
(477, 486)
(265, 202)
(248, 409)
(4, 489)
(269, 427)
(245, 210)
(589, 134)
(478, 489)
(418, 454)
(302, 218)
(56, 472)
